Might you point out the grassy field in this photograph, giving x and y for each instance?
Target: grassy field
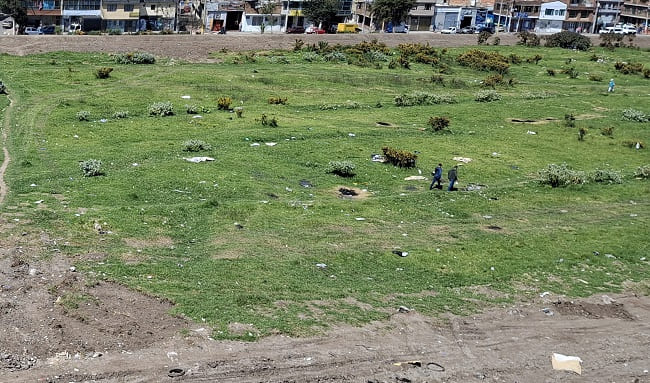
(237, 240)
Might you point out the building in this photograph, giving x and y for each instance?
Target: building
(43, 12)
(636, 12)
(551, 17)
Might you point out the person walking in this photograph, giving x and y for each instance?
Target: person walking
(611, 86)
(437, 175)
(453, 177)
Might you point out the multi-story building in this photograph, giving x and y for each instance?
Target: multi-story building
(636, 12)
(607, 14)
(43, 12)
(120, 15)
(87, 13)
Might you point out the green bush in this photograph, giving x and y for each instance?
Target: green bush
(646, 72)
(341, 168)
(628, 68)
(195, 146)
(635, 115)
(560, 175)
(134, 58)
(311, 56)
(606, 176)
(335, 57)
(582, 133)
(536, 95)
(104, 72)
(528, 39)
(487, 96)
(550, 71)
(607, 131)
(423, 98)
(611, 40)
(161, 109)
(83, 115)
(266, 121)
(642, 171)
(486, 61)
(400, 158)
(493, 80)
(121, 114)
(223, 103)
(91, 168)
(239, 111)
(570, 120)
(191, 109)
(534, 59)
(571, 71)
(277, 100)
(568, 40)
(439, 123)
(483, 37)
(595, 77)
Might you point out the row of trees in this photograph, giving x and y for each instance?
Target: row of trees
(14, 9)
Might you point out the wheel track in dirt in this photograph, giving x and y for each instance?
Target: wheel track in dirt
(6, 159)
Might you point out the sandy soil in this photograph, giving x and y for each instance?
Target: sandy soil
(60, 325)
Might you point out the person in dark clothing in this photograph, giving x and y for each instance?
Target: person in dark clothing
(437, 175)
(453, 177)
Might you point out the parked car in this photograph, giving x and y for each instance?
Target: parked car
(401, 28)
(449, 31)
(615, 30)
(628, 29)
(7, 24)
(467, 30)
(296, 30)
(315, 31)
(48, 29)
(33, 31)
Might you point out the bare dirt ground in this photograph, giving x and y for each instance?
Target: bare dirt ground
(60, 325)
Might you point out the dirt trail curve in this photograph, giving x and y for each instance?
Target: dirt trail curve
(5, 160)
(198, 47)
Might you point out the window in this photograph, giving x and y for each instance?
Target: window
(153, 7)
(111, 7)
(128, 7)
(548, 12)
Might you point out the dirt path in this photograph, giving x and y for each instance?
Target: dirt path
(5, 161)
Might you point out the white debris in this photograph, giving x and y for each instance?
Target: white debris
(33, 185)
(360, 219)
(321, 265)
(40, 201)
(545, 293)
(255, 144)
(530, 132)
(464, 160)
(135, 164)
(186, 97)
(271, 143)
(566, 363)
(415, 178)
(352, 135)
(198, 159)
(197, 116)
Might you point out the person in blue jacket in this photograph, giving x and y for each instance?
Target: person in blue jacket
(437, 175)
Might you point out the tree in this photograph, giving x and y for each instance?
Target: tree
(14, 9)
(321, 12)
(392, 10)
(267, 9)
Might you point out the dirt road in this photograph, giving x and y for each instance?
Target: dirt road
(112, 334)
(199, 47)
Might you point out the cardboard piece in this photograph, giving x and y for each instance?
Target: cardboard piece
(567, 363)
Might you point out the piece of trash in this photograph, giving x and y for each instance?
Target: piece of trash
(255, 144)
(642, 259)
(198, 159)
(352, 135)
(487, 216)
(135, 164)
(492, 268)
(567, 363)
(530, 132)
(637, 146)
(634, 215)
(288, 189)
(186, 97)
(464, 160)
(611, 256)
(321, 265)
(197, 116)
(176, 372)
(360, 219)
(305, 183)
(181, 191)
(377, 158)
(72, 269)
(564, 211)
(547, 311)
(33, 185)
(75, 136)
(103, 120)
(415, 178)
(596, 253)
(403, 309)
(545, 293)
(607, 300)
(40, 201)
(238, 225)
(270, 143)
(400, 253)
(582, 281)
(495, 154)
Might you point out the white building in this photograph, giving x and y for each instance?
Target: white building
(551, 17)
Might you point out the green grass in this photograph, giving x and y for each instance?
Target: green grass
(172, 223)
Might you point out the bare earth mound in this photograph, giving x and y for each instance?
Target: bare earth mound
(58, 324)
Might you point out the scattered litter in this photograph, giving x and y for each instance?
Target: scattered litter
(103, 120)
(564, 211)
(530, 132)
(566, 363)
(176, 372)
(492, 268)
(198, 159)
(633, 215)
(377, 158)
(352, 135)
(360, 219)
(135, 164)
(75, 136)
(495, 154)
(40, 201)
(403, 309)
(464, 160)
(271, 143)
(473, 187)
(181, 191)
(186, 97)
(321, 265)
(642, 259)
(582, 281)
(611, 256)
(545, 293)
(32, 272)
(305, 183)
(255, 144)
(288, 189)
(72, 269)
(400, 253)
(637, 146)
(33, 185)
(415, 178)
(487, 216)
(197, 116)
(238, 225)
(547, 311)
(405, 235)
